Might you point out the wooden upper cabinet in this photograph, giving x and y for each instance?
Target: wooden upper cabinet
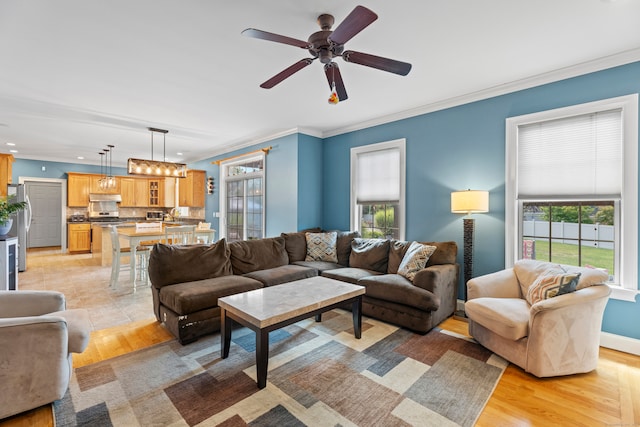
(6, 163)
(78, 186)
(134, 192)
(95, 185)
(168, 194)
(191, 189)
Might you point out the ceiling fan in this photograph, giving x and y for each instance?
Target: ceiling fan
(327, 45)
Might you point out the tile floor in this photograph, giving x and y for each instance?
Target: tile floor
(86, 285)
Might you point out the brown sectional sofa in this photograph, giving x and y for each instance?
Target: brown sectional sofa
(188, 280)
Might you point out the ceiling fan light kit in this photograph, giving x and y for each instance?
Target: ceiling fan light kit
(157, 167)
(327, 45)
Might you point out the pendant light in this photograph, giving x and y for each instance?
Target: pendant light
(156, 167)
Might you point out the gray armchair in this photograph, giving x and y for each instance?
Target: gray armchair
(557, 335)
(37, 337)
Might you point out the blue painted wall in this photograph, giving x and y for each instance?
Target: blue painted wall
(309, 182)
(464, 147)
(57, 170)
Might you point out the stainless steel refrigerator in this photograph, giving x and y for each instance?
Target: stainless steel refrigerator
(21, 223)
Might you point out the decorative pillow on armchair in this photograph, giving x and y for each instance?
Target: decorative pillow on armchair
(322, 247)
(415, 259)
(552, 283)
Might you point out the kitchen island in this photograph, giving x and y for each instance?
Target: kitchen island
(101, 239)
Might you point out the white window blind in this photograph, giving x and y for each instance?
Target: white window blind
(579, 156)
(378, 176)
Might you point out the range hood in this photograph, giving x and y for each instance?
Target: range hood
(97, 197)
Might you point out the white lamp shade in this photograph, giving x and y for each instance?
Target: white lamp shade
(470, 201)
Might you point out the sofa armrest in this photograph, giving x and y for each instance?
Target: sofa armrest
(501, 284)
(30, 303)
(36, 366)
(436, 278)
(568, 326)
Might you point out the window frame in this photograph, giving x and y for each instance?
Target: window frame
(224, 178)
(399, 144)
(626, 287)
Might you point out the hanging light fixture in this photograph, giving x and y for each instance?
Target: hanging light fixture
(102, 180)
(111, 180)
(156, 167)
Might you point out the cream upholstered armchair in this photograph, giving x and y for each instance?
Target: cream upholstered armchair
(524, 315)
(37, 337)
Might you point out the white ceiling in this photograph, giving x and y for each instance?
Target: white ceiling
(77, 75)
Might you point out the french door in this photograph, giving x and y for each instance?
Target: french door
(243, 199)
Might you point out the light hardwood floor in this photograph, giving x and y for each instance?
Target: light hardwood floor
(608, 396)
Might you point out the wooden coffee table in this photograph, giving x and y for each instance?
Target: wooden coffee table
(267, 309)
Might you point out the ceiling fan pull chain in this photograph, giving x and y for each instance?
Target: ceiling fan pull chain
(333, 98)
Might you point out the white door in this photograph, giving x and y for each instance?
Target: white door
(46, 208)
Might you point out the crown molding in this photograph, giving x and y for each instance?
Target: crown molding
(234, 146)
(583, 68)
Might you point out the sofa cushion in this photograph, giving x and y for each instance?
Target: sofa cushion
(415, 259)
(282, 274)
(446, 253)
(322, 247)
(395, 288)
(296, 245)
(319, 266)
(507, 317)
(397, 249)
(170, 264)
(190, 297)
(349, 274)
(258, 254)
(369, 254)
(343, 246)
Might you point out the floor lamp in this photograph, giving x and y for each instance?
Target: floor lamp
(468, 202)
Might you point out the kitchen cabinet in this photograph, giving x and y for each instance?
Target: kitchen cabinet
(78, 186)
(79, 236)
(6, 163)
(191, 189)
(134, 191)
(156, 192)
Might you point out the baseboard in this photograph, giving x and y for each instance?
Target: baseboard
(620, 343)
(607, 340)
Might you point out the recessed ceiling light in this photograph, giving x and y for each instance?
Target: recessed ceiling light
(13, 151)
(179, 154)
(80, 158)
(11, 144)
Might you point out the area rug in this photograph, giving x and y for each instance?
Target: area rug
(319, 375)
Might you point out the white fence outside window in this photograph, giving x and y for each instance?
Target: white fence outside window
(593, 235)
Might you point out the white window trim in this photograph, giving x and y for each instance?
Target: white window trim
(399, 144)
(627, 289)
(224, 168)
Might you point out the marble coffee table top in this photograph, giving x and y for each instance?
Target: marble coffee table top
(271, 305)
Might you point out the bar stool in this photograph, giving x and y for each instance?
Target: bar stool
(180, 235)
(117, 253)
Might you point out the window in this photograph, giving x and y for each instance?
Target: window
(378, 189)
(242, 198)
(571, 188)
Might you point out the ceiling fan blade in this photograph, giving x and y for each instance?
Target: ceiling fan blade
(333, 75)
(287, 72)
(384, 64)
(356, 21)
(263, 35)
